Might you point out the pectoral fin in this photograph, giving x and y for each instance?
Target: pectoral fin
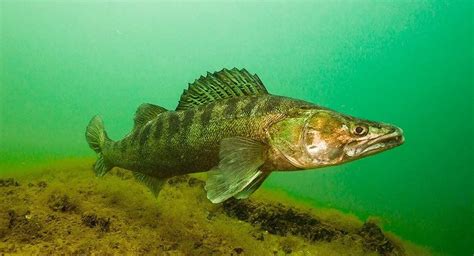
(252, 187)
(238, 169)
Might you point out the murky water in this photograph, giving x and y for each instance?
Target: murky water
(406, 63)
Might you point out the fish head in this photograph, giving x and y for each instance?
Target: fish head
(322, 137)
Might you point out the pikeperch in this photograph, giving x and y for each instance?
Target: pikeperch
(228, 124)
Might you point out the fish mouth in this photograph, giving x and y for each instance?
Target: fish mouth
(379, 144)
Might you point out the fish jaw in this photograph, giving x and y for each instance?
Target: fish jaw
(364, 148)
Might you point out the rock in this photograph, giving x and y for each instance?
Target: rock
(5, 223)
(286, 249)
(91, 220)
(198, 244)
(193, 182)
(375, 240)
(287, 246)
(36, 221)
(178, 180)
(210, 215)
(23, 227)
(238, 250)
(281, 220)
(169, 247)
(61, 203)
(9, 182)
(258, 235)
(12, 218)
(123, 174)
(42, 184)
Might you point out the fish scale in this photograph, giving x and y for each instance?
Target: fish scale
(219, 123)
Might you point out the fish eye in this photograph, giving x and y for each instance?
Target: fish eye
(360, 130)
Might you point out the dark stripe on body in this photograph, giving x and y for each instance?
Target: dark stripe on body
(172, 121)
(173, 124)
(207, 114)
(231, 107)
(247, 109)
(271, 104)
(184, 123)
(187, 120)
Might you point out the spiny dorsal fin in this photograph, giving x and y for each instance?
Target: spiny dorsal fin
(146, 112)
(221, 85)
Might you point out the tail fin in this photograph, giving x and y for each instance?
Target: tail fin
(96, 137)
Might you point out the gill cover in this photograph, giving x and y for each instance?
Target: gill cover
(286, 137)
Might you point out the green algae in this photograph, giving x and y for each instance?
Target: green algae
(62, 208)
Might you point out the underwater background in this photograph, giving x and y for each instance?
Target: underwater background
(409, 63)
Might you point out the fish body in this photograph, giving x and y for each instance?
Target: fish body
(228, 124)
(187, 141)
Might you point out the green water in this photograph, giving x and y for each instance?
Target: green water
(408, 63)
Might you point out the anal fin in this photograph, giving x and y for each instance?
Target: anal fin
(153, 183)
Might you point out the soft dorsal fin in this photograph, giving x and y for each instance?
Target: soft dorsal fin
(147, 112)
(221, 85)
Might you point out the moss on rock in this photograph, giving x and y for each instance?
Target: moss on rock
(66, 209)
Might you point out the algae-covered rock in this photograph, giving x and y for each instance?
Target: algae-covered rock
(5, 223)
(375, 240)
(281, 220)
(92, 220)
(67, 210)
(7, 182)
(61, 203)
(42, 184)
(22, 227)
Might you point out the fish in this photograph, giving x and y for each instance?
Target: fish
(228, 125)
